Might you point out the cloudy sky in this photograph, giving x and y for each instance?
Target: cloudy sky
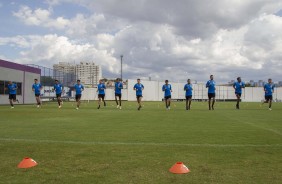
(163, 39)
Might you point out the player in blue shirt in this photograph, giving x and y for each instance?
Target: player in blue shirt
(268, 90)
(188, 88)
(211, 92)
(101, 93)
(12, 88)
(37, 87)
(118, 87)
(138, 87)
(167, 94)
(58, 88)
(78, 89)
(238, 90)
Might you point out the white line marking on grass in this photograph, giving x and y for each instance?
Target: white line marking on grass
(138, 143)
(254, 125)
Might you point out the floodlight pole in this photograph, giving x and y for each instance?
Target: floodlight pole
(121, 56)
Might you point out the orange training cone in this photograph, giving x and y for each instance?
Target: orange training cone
(27, 163)
(179, 168)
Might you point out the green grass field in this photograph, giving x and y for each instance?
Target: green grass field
(130, 146)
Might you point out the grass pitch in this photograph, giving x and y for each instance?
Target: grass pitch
(129, 146)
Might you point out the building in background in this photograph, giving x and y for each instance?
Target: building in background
(64, 72)
(89, 73)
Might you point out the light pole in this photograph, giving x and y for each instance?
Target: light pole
(121, 56)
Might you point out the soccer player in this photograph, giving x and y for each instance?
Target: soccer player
(238, 90)
(138, 87)
(188, 88)
(167, 94)
(118, 87)
(101, 93)
(78, 89)
(58, 89)
(211, 92)
(269, 90)
(12, 88)
(37, 87)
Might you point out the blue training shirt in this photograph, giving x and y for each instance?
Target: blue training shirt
(167, 90)
(37, 87)
(101, 89)
(238, 87)
(118, 87)
(188, 88)
(211, 86)
(268, 89)
(58, 88)
(12, 88)
(138, 88)
(78, 88)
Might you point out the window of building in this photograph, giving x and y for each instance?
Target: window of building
(4, 88)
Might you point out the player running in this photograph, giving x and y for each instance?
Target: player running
(167, 94)
(101, 93)
(78, 89)
(37, 87)
(138, 87)
(118, 87)
(12, 88)
(269, 90)
(211, 92)
(58, 88)
(188, 88)
(238, 90)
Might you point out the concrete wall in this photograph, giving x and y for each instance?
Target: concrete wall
(153, 92)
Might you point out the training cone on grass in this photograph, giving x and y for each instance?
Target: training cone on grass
(27, 163)
(179, 168)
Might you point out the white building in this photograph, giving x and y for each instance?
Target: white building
(64, 72)
(88, 73)
(22, 75)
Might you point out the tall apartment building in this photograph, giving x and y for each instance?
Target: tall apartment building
(64, 72)
(88, 73)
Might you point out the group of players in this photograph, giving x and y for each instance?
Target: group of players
(138, 87)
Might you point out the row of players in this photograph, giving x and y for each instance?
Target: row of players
(139, 87)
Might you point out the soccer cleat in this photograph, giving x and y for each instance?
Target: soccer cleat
(60, 106)
(168, 108)
(270, 109)
(77, 108)
(98, 107)
(38, 106)
(139, 108)
(187, 108)
(120, 107)
(18, 101)
(12, 107)
(117, 106)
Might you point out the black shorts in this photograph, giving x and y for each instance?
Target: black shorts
(188, 97)
(78, 97)
(12, 96)
(37, 95)
(58, 95)
(211, 95)
(119, 95)
(238, 94)
(267, 98)
(101, 96)
(139, 96)
(167, 97)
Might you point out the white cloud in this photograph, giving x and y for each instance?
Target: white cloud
(163, 39)
(40, 17)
